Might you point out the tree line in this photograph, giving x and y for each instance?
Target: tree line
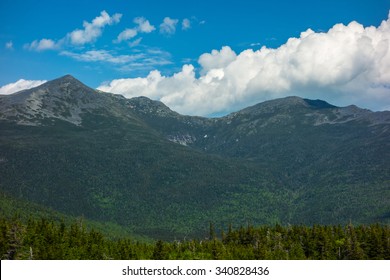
(45, 239)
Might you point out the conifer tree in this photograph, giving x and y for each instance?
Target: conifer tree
(159, 251)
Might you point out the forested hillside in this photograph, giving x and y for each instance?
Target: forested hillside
(44, 239)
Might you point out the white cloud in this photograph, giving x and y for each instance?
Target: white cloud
(20, 85)
(144, 25)
(126, 35)
(102, 56)
(217, 59)
(149, 59)
(139, 61)
(135, 43)
(349, 64)
(186, 24)
(9, 45)
(144, 86)
(168, 27)
(93, 30)
(42, 45)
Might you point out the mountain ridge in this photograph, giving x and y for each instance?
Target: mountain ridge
(159, 107)
(137, 163)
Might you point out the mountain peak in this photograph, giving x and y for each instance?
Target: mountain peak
(293, 101)
(66, 81)
(318, 104)
(63, 98)
(67, 76)
(275, 105)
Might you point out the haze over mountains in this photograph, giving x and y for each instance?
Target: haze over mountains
(136, 163)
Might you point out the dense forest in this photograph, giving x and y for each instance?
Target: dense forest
(45, 239)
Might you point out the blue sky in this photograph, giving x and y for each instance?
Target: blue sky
(164, 49)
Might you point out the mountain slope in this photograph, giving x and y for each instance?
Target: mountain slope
(336, 161)
(111, 166)
(291, 137)
(161, 174)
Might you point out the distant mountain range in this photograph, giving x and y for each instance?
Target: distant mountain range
(136, 163)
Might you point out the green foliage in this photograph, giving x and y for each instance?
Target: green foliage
(135, 179)
(29, 211)
(46, 239)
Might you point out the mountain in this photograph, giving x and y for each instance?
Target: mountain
(136, 163)
(63, 99)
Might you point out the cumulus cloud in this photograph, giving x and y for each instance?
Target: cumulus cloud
(42, 45)
(168, 26)
(144, 86)
(348, 64)
(216, 59)
(20, 85)
(144, 25)
(93, 30)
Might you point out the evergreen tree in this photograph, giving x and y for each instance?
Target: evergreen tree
(159, 252)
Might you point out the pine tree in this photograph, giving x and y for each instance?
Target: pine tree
(159, 251)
